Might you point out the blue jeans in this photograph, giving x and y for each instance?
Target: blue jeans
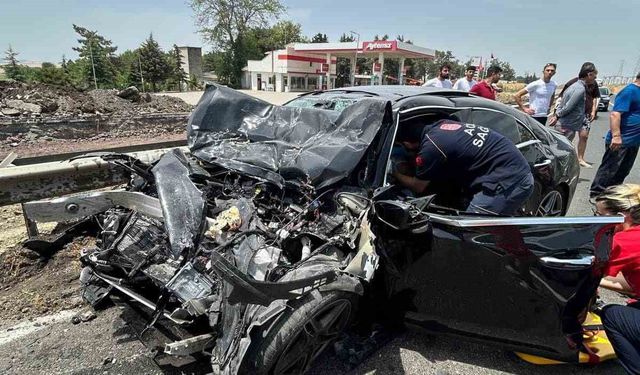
(615, 167)
(622, 324)
(507, 198)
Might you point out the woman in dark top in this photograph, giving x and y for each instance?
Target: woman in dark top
(590, 110)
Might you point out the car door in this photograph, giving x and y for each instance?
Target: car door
(542, 162)
(522, 283)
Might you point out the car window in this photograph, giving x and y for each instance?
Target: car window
(604, 91)
(540, 132)
(525, 134)
(498, 121)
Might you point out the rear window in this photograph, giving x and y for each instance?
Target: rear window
(604, 91)
(498, 121)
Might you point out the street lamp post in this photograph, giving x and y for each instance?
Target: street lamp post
(355, 59)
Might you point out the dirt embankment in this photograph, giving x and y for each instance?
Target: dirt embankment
(21, 101)
(32, 286)
(38, 119)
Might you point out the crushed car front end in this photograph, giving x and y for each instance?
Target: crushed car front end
(258, 232)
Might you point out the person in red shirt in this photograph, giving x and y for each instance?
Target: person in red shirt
(622, 323)
(623, 269)
(484, 88)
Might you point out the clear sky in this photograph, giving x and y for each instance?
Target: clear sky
(527, 34)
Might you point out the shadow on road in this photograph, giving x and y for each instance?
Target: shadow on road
(415, 352)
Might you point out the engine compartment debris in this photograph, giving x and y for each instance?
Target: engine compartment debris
(263, 212)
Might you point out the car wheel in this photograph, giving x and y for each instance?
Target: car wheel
(552, 204)
(299, 337)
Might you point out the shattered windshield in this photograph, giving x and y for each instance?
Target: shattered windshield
(242, 133)
(337, 104)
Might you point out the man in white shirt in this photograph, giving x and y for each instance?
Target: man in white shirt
(442, 80)
(541, 95)
(466, 83)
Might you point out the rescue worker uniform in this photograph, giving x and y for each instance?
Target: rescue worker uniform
(477, 160)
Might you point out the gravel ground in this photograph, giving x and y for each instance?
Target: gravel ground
(109, 345)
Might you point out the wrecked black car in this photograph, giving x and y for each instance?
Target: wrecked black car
(553, 160)
(267, 235)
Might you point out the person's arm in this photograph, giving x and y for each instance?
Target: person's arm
(518, 98)
(617, 284)
(416, 185)
(614, 125)
(552, 103)
(570, 100)
(594, 109)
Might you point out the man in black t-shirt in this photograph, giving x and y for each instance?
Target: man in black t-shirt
(476, 160)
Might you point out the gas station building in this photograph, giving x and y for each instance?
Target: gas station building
(312, 66)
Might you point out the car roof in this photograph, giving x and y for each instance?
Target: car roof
(392, 92)
(404, 96)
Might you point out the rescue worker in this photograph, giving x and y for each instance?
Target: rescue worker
(475, 160)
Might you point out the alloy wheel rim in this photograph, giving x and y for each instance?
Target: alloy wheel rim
(551, 205)
(317, 332)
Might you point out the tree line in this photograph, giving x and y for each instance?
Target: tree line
(241, 30)
(238, 30)
(148, 67)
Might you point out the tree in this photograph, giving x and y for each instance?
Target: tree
(12, 69)
(226, 23)
(222, 21)
(343, 65)
(285, 32)
(432, 67)
(96, 58)
(155, 67)
(51, 74)
(528, 78)
(320, 38)
(76, 73)
(177, 76)
(128, 69)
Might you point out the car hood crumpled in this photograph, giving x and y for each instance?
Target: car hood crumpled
(243, 133)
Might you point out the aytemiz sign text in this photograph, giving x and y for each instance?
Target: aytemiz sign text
(380, 45)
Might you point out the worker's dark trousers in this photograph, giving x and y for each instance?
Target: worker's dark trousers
(615, 167)
(622, 324)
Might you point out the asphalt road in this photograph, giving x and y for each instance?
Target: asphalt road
(595, 149)
(109, 345)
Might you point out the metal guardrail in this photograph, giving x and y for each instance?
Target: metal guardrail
(121, 149)
(22, 184)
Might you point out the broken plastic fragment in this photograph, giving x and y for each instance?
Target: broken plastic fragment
(228, 219)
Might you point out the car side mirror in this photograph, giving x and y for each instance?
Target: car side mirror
(394, 214)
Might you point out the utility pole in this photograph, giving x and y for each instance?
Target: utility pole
(141, 77)
(355, 59)
(636, 69)
(621, 68)
(93, 66)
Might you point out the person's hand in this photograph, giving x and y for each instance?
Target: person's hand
(616, 143)
(529, 111)
(553, 119)
(594, 116)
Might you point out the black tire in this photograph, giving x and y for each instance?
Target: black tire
(291, 345)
